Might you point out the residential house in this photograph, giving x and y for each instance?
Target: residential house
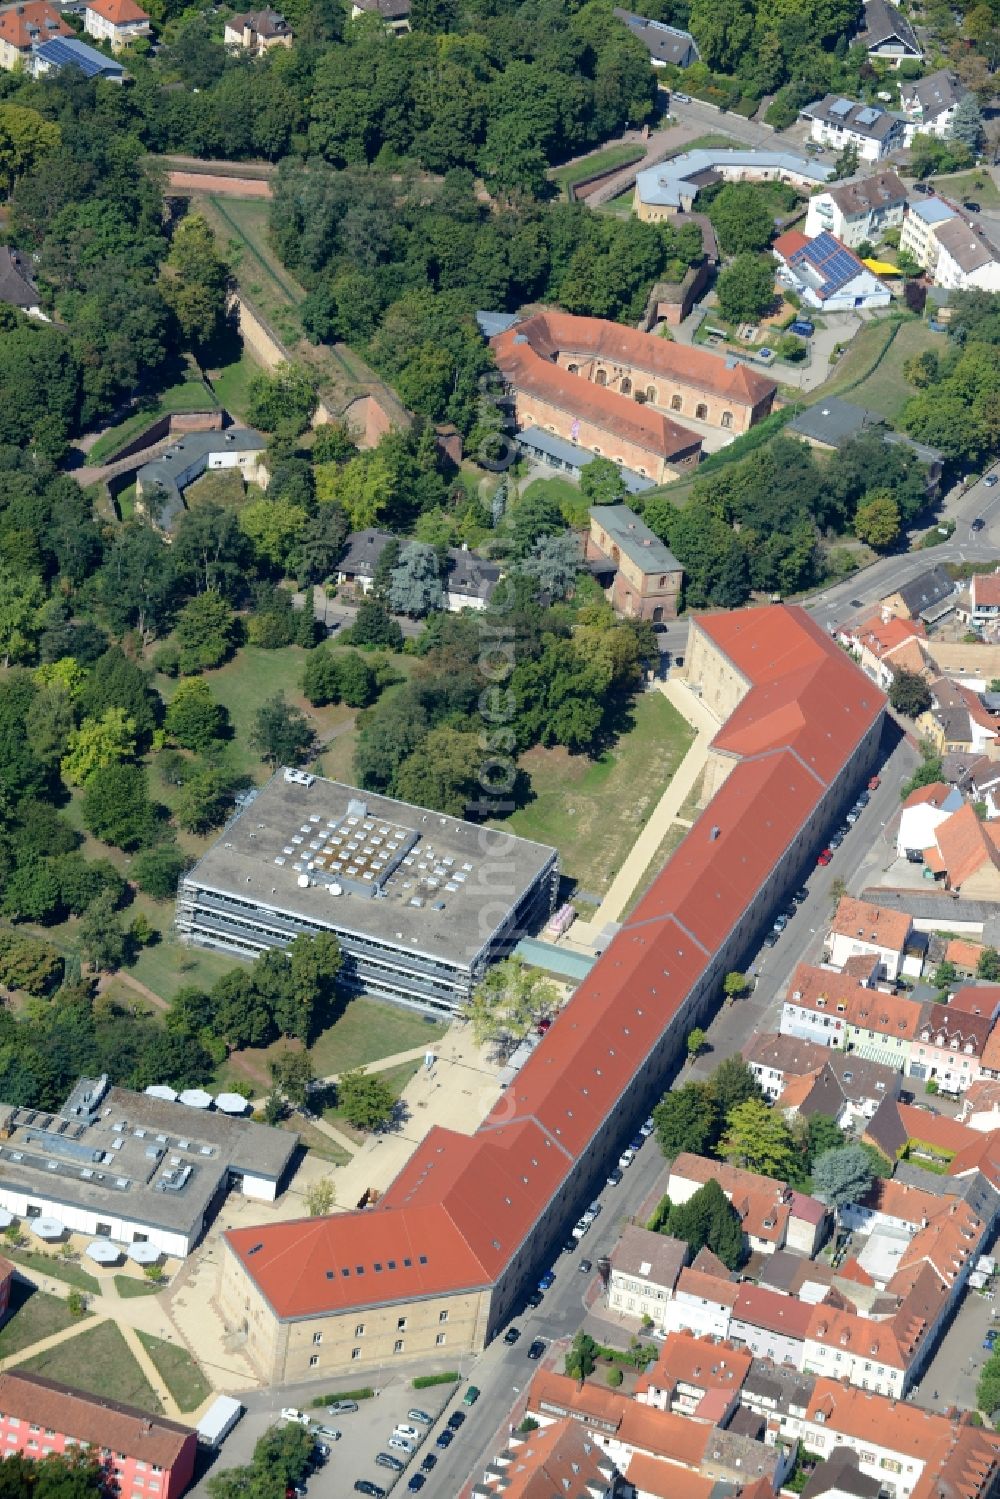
(981, 1100)
(469, 582)
(22, 27)
(840, 1477)
(644, 1271)
(781, 1396)
(967, 260)
(702, 1304)
(949, 1045)
(928, 597)
(119, 22)
(961, 720)
(858, 210)
(929, 103)
(139, 1453)
(60, 52)
(892, 1206)
(665, 44)
(962, 954)
(395, 14)
(643, 577)
(965, 854)
(847, 1088)
(908, 1450)
(826, 275)
(774, 1059)
(918, 237)
(771, 1325)
(975, 999)
(884, 644)
(923, 811)
(839, 122)
(773, 1214)
(859, 927)
(816, 1003)
(695, 1376)
(559, 1458)
(979, 604)
(17, 281)
(888, 36)
(881, 1027)
(258, 31)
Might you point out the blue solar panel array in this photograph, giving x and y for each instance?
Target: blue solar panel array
(63, 52)
(829, 259)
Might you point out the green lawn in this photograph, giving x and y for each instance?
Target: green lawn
(178, 1370)
(100, 1362)
(607, 160)
(129, 1287)
(885, 390)
(189, 394)
(241, 225)
(563, 492)
(574, 797)
(367, 1031)
(316, 1141)
(56, 1266)
(856, 362)
(977, 187)
(33, 1315)
(231, 384)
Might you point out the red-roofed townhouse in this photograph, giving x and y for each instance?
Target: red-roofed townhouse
(702, 1304)
(140, 1454)
(860, 927)
(979, 605)
(119, 22)
(773, 1215)
(966, 852)
(892, 1205)
(922, 814)
(771, 1325)
(816, 1005)
(878, 643)
(561, 1458)
(698, 1377)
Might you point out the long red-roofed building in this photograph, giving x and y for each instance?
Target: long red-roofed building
(453, 1246)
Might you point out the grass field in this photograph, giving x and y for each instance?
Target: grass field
(886, 390)
(54, 1265)
(857, 361)
(573, 795)
(190, 394)
(599, 161)
(178, 1370)
(231, 384)
(100, 1362)
(129, 1287)
(978, 187)
(367, 1031)
(33, 1315)
(316, 1141)
(242, 225)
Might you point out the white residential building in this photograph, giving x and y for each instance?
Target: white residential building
(888, 36)
(825, 274)
(918, 236)
(967, 260)
(859, 927)
(860, 209)
(929, 104)
(644, 1271)
(840, 122)
(118, 22)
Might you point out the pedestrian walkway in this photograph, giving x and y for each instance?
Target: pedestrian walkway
(682, 783)
(149, 1369)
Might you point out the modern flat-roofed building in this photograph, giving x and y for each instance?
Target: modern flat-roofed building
(160, 484)
(141, 1456)
(135, 1167)
(671, 187)
(420, 903)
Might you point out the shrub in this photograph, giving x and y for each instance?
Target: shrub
(425, 1381)
(530, 1424)
(614, 1377)
(365, 1393)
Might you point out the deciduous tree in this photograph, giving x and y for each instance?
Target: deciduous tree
(365, 1099)
(758, 1138)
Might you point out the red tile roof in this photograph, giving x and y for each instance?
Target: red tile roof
(707, 1287)
(657, 1476)
(908, 1429)
(697, 1362)
(934, 794)
(118, 12)
(874, 924)
(824, 991)
(559, 1459)
(985, 589)
(91, 1418)
(789, 243)
(886, 1014)
(965, 844)
(34, 21)
(773, 1311)
(468, 1203)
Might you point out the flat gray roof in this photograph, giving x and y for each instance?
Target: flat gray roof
(573, 456)
(662, 184)
(192, 446)
(132, 1156)
(633, 537)
(415, 879)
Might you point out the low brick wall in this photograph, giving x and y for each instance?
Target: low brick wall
(163, 426)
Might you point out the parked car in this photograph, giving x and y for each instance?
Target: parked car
(445, 1438)
(289, 1413)
(647, 1128)
(537, 1348)
(853, 816)
(543, 1025)
(330, 1432)
(990, 480)
(978, 524)
(416, 1483)
(771, 937)
(402, 1444)
(547, 1280)
(365, 1486)
(595, 1207)
(680, 98)
(536, 1298)
(615, 1176)
(455, 1420)
(581, 1228)
(421, 1416)
(973, 207)
(825, 856)
(321, 1452)
(511, 1336)
(429, 1462)
(341, 1407)
(386, 1460)
(864, 798)
(802, 327)
(626, 1158)
(471, 1395)
(920, 187)
(800, 896)
(410, 1432)
(585, 1267)
(874, 783)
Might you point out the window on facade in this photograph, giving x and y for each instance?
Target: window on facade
(313, 1360)
(701, 412)
(601, 378)
(317, 1337)
(401, 1323)
(676, 403)
(359, 1331)
(397, 1347)
(442, 1316)
(439, 1340)
(650, 392)
(626, 386)
(355, 1353)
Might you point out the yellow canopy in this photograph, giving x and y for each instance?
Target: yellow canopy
(882, 268)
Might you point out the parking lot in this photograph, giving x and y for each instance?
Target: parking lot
(366, 1433)
(953, 1373)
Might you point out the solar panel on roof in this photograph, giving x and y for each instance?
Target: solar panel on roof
(868, 116)
(841, 107)
(61, 52)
